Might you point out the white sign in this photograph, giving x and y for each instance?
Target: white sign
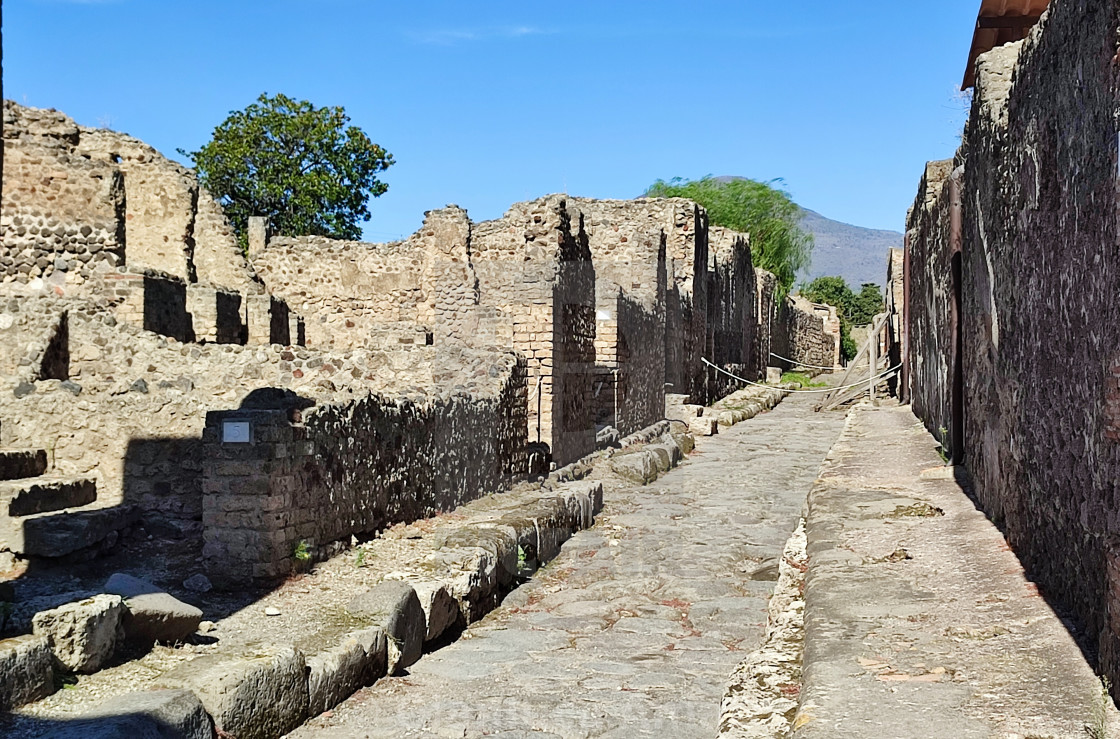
(235, 432)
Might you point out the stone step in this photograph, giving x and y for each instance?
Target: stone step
(59, 534)
(45, 494)
(16, 464)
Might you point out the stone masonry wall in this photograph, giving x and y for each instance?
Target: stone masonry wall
(534, 266)
(348, 291)
(1039, 275)
(59, 209)
(306, 481)
(807, 333)
(732, 311)
(931, 293)
(627, 242)
(133, 410)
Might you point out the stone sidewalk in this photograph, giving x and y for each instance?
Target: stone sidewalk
(635, 627)
(919, 619)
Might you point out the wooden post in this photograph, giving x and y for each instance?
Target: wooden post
(872, 361)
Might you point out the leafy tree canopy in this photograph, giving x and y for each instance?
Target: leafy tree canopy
(762, 209)
(304, 167)
(854, 309)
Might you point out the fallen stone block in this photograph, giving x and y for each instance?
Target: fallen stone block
(336, 674)
(668, 454)
(83, 635)
(726, 418)
(639, 466)
(152, 615)
(441, 610)
(684, 440)
(394, 607)
(773, 375)
(255, 696)
(26, 670)
(156, 714)
(706, 426)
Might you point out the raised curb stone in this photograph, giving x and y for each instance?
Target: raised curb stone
(26, 672)
(158, 714)
(254, 696)
(337, 673)
(394, 606)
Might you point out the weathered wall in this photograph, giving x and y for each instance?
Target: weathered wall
(1039, 275)
(807, 333)
(931, 301)
(686, 325)
(895, 303)
(82, 206)
(354, 468)
(534, 266)
(766, 286)
(59, 209)
(732, 322)
(348, 290)
(627, 243)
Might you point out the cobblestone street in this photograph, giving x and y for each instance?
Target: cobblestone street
(635, 627)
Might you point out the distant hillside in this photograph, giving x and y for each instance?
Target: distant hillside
(857, 254)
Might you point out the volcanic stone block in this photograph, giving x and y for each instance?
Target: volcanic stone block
(394, 606)
(260, 695)
(157, 714)
(25, 670)
(335, 674)
(152, 615)
(83, 635)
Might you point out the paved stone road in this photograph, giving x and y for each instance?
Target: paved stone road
(635, 627)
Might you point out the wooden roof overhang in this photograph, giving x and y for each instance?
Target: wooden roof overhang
(1001, 22)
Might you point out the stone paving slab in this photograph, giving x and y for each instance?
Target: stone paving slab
(919, 620)
(635, 627)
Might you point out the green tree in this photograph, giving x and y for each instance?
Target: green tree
(304, 167)
(866, 304)
(762, 209)
(835, 292)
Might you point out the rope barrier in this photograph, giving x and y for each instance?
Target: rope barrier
(801, 364)
(821, 390)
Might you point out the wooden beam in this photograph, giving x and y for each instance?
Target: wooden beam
(1018, 22)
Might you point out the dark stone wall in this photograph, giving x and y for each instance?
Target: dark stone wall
(1040, 274)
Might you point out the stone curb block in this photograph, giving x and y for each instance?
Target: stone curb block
(157, 713)
(359, 660)
(26, 670)
(394, 607)
(256, 696)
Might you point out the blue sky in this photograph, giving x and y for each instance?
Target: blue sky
(486, 103)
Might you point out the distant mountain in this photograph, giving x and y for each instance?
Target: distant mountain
(857, 254)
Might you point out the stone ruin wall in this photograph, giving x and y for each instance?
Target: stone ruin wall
(59, 209)
(766, 288)
(352, 469)
(627, 242)
(95, 212)
(1040, 272)
(895, 307)
(534, 266)
(931, 293)
(733, 312)
(807, 333)
(686, 327)
(129, 407)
